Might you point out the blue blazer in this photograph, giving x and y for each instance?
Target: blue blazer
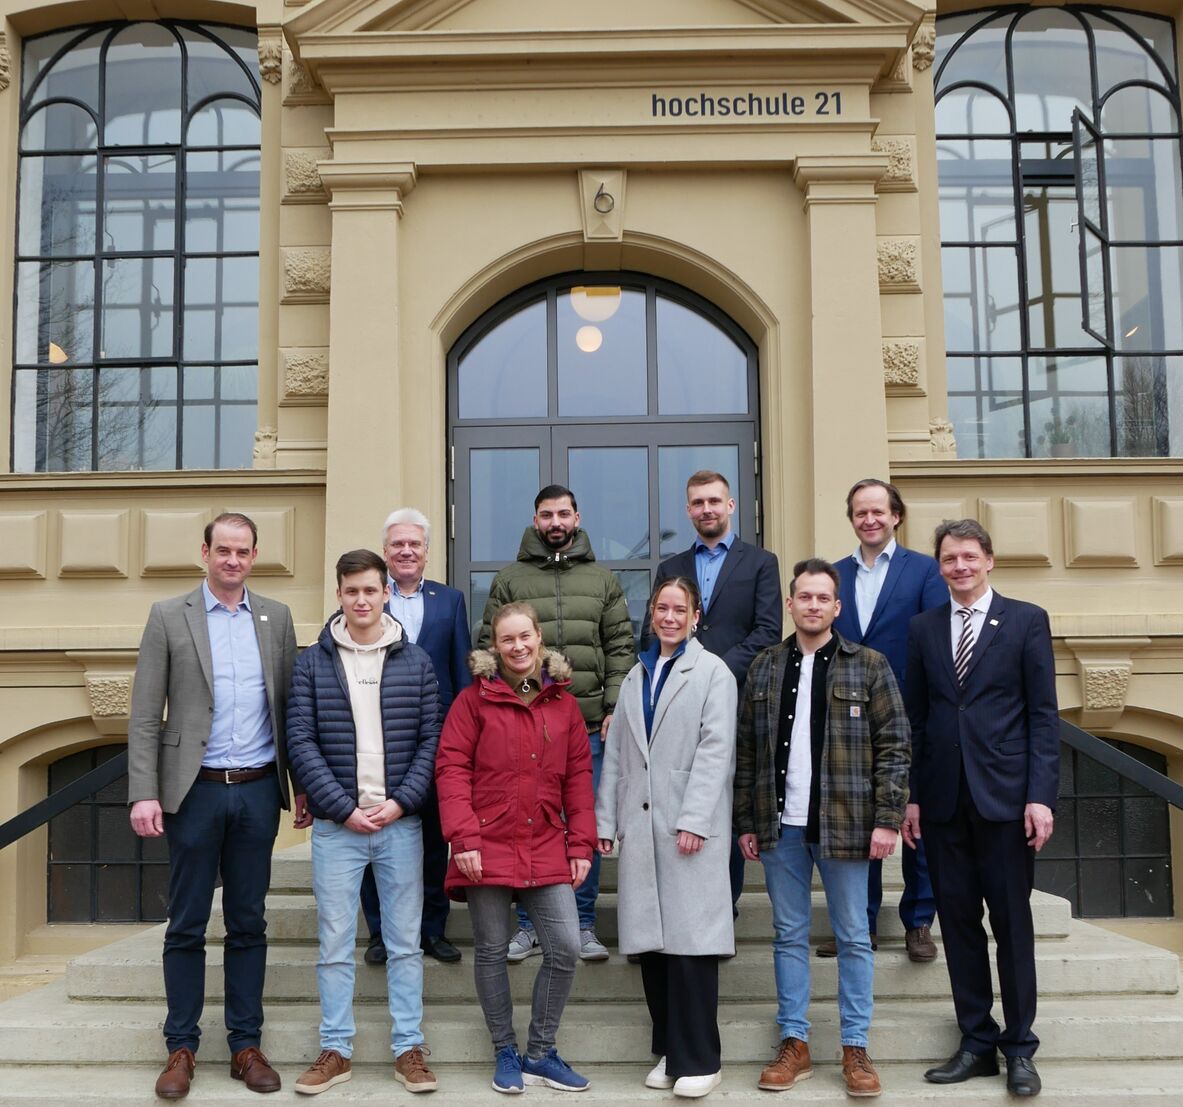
(1003, 724)
(446, 638)
(914, 584)
(745, 615)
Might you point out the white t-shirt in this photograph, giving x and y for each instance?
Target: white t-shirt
(800, 768)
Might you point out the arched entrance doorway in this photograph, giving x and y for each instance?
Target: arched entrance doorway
(617, 385)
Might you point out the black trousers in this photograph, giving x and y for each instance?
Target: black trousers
(683, 997)
(435, 867)
(972, 860)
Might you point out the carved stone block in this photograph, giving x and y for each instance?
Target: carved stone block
(307, 274)
(941, 438)
(901, 363)
(305, 374)
(171, 542)
(5, 63)
(301, 177)
(271, 59)
(300, 87)
(110, 696)
(22, 544)
(1100, 533)
(601, 195)
(266, 445)
(93, 543)
(924, 45)
(900, 176)
(899, 264)
(1020, 530)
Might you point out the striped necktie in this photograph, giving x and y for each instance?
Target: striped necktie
(965, 644)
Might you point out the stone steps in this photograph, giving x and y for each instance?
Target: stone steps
(46, 1026)
(1091, 963)
(291, 917)
(1065, 1084)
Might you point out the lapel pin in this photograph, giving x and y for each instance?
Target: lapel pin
(994, 622)
(262, 618)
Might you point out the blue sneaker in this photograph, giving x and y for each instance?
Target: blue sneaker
(507, 1074)
(550, 1069)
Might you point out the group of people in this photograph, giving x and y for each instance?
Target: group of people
(909, 698)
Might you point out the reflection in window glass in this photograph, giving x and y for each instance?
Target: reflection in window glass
(1101, 275)
(601, 354)
(701, 370)
(497, 478)
(612, 487)
(635, 585)
(115, 305)
(675, 464)
(503, 374)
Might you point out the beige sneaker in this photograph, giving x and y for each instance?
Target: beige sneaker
(411, 1071)
(328, 1069)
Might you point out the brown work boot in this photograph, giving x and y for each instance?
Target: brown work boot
(328, 1069)
(858, 1072)
(792, 1064)
(411, 1071)
(174, 1082)
(920, 945)
(254, 1070)
(829, 948)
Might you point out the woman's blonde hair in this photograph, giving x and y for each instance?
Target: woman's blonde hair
(518, 608)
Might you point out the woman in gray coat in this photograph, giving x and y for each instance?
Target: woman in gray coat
(665, 794)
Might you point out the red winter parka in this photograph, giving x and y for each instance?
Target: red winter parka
(506, 773)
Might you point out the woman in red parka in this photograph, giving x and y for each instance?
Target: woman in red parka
(513, 760)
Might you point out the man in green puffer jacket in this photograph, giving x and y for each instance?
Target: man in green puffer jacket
(583, 614)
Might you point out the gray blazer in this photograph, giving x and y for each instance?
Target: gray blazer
(175, 670)
(682, 780)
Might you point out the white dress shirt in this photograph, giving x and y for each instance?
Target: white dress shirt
(977, 620)
(868, 583)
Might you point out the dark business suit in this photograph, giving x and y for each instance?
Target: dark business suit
(980, 753)
(744, 617)
(446, 638)
(213, 829)
(913, 584)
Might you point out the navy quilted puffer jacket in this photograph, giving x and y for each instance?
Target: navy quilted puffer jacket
(322, 746)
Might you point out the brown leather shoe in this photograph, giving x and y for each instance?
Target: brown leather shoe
(829, 948)
(792, 1064)
(174, 1082)
(920, 945)
(411, 1071)
(254, 1070)
(858, 1072)
(328, 1069)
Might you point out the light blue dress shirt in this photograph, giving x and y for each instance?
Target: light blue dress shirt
(240, 735)
(408, 610)
(708, 564)
(868, 583)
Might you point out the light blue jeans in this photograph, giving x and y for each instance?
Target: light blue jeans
(788, 872)
(339, 857)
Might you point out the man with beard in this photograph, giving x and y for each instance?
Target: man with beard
(583, 614)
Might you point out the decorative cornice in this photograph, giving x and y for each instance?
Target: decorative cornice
(1105, 666)
(367, 186)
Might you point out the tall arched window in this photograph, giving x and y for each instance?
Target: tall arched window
(1061, 198)
(136, 333)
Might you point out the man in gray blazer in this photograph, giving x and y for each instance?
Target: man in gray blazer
(212, 777)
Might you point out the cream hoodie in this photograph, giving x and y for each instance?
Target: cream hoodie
(363, 669)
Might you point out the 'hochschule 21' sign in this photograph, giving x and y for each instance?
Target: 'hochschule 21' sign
(749, 105)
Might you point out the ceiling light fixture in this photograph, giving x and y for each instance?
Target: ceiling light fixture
(589, 339)
(596, 304)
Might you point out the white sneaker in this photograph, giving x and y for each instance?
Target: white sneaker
(695, 1087)
(657, 1077)
(591, 948)
(522, 945)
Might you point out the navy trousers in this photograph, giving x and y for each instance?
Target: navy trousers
(435, 867)
(226, 831)
(918, 905)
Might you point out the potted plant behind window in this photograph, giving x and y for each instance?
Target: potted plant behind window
(1059, 436)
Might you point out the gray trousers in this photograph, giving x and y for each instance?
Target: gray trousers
(556, 922)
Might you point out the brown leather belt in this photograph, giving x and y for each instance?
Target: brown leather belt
(236, 776)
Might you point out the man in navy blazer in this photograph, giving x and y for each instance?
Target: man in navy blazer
(883, 586)
(435, 618)
(740, 587)
(981, 697)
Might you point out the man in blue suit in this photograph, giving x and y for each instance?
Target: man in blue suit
(435, 618)
(883, 586)
(740, 588)
(981, 698)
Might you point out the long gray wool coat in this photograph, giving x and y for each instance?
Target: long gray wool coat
(672, 903)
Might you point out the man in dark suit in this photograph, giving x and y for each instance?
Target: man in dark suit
(981, 697)
(883, 586)
(435, 618)
(740, 587)
(212, 778)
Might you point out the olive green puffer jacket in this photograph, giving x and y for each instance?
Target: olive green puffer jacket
(583, 613)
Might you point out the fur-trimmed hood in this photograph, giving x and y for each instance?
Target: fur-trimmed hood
(483, 663)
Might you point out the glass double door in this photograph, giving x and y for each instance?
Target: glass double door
(629, 481)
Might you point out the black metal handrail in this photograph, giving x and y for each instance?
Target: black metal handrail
(63, 799)
(1122, 763)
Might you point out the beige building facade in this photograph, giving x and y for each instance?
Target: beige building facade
(770, 165)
